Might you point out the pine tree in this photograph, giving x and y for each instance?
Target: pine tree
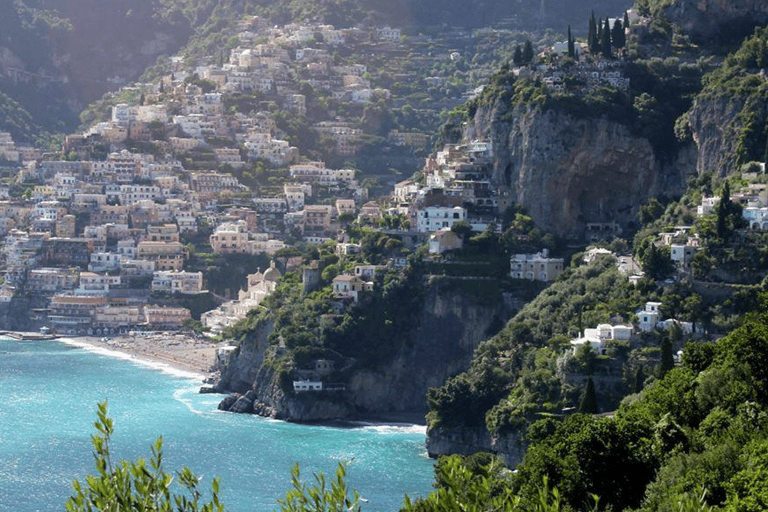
(617, 35)
(588, 401)
(606, 42)
(571, 46)
(517, 56)
(528, 52)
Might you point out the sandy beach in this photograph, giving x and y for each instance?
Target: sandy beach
(195, 355)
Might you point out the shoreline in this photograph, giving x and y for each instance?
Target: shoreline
(174, 353)
(190, 357)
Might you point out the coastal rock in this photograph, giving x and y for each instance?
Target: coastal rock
(466, 441)
(244, 404)
(243, 368)
(451, 326)
(228, 401)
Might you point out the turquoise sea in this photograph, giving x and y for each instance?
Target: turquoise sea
(48, 397)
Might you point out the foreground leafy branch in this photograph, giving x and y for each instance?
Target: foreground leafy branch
(318, 497)
(141, 486)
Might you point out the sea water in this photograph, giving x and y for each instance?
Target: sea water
(49, 393)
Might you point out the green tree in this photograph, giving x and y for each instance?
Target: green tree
(141, 486)
(639, 379)
(606, 41)
(527, 52)
(517, 56)
(463, 229)
(320, 497)
(617, 35)
(588, 400)
(592, 38)
(729, 217)
(571, 45)
(667, 357)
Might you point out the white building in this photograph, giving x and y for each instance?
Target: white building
(177, 282)
(435, 217)
(230, 238)
(649, 316)
(757, 218)
(707, 205)
(536, 267)
(598, 337)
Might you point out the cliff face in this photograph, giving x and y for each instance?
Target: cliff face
(466, 441)
(451, 326)
(569, 172)
(243, 369)
(714, 126)
(717, 19)
(16, 314)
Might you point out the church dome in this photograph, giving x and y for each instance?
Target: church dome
(272, 274)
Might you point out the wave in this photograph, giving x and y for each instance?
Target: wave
(405, 428)
(149, 363)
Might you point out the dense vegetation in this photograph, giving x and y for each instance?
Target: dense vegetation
(516, 375)
(695, 439)
(739, 82)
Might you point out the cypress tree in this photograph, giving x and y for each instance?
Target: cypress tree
(722, 212)
(599, 38)
(639, 379)
(571, 46)
(607, 39)
(517, 57)
(617, 35)
(765, 155)
(626, 19)
(667, 358)
(588, 401)
(527, 52)
(592, 34)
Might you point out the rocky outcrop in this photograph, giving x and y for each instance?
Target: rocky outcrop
(714, 124)
(243, 368)
(268, 398)
(568, 172)
(451, 326)
(725, 20)
(16, 315)
(466, 441)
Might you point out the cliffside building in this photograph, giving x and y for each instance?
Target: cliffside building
(535, 267)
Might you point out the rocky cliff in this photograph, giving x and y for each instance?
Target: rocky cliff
(715, 124)
(718, 20)
(568, 172)
(451, 324)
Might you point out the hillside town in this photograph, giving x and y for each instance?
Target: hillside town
(196, 162)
